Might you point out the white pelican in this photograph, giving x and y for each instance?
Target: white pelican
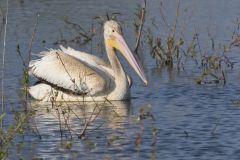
(70, 75)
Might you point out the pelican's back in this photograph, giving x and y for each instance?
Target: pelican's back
(68, 73)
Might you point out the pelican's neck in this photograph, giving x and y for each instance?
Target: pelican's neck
(122, 86)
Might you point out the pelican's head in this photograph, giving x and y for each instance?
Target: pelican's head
(114, 39)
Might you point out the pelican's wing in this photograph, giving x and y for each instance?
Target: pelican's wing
(87, 58)
(70, 73)
(92, 60)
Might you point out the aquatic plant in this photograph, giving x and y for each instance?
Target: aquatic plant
(21, 118)
(174, 51)
(139, 22)
(166, 53)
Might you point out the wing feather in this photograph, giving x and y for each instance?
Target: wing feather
(68, 72)
(85, 57)
(92, 60)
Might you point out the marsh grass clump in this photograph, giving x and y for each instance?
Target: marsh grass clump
(10, 131)
(212, 62)
(174, 51)
(17, 127)
(236, 35)
(165, 54)
(211, 70)
(21, 118)
(166, 51)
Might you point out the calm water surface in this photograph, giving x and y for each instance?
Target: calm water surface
(181, 120)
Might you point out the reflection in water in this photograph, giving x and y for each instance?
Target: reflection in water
(96, 127)
(70, 130)
(76, 118)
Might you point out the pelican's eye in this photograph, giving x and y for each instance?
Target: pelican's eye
(113, 30)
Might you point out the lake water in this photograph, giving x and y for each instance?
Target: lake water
(171, 118)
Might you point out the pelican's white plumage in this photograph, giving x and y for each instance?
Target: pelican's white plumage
(70, 75)
(64, 71)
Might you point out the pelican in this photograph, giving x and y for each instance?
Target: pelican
(70, 75)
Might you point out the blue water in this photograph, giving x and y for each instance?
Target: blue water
(171, 118)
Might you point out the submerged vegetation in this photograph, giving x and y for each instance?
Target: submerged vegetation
(173, 51)
(168, 52)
